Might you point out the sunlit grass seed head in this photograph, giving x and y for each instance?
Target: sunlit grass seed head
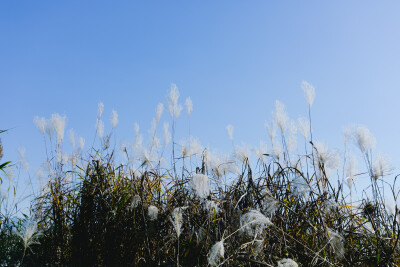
(381, 166)
(100, 128)
(58, 123)
(287, 263)
(229, 130)
(261, 150)
(271, 130)
(167, 135)
(254, 222)
(337, 242)
(309, 92)
(200, 184)
(351, 171)
(177, 219)
(364, 139)
(303, 125)
(152, 212)
(242, 152)
(329, 158)
(281, 116)
(114, 119)
(216, 253)
(71, 136)
(81, 143)
(212, 207)
(30, 234)
(189, 106)
(40, 123)
(135, 202)
(100, 109)
(172, 99)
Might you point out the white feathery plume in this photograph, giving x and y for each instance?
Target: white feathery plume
(337, 243)
(114, 119)
(81, 143)
(100, 108)
(195, 148)
(292, 140)
(21, 160)
(167, 135)
(40, 123)
(152, 212)
(159, 111)
(287, 263)
(177, 219)
(173, 106)
(216, 253)
(271, 130)
(351, 171)
(269, 205)
(189, 106)
(30, 235)
(100, 128)
(242, 152)
(136, 127)
(212, 207)
(58, 123)
(303, 125)
(281, 116)
(261, 150)
(348, 131)
(135, 202)
(72, 137)
(229, 129)
(253, 223)
(276, 149)
(309, 92)
(199, 184)
(364, 139)
(381, 166)
(329, 158)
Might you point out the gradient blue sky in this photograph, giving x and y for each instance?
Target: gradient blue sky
(233, 58)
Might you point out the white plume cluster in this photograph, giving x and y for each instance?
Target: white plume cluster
(381, 166)
(212, 207)
(309, 92)
(40, 123)
(337, 242)
(173, 106)
(303, 125)
(58, 123)
(177, 219)
(100, 108)
(364, 139)
(327, 157)
(189, 106)
(216, 253)
(30, 234)
(152, 212)
(229, 129)
(114, 119)
(287, 263)
(100, 128)
(281, 116)
(253, 223)
(199, 184)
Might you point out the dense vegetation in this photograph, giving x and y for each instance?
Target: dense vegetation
(278, 206)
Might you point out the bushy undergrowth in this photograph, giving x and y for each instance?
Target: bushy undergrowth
(278, 206)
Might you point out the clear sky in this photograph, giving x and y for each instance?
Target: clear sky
(233, 58)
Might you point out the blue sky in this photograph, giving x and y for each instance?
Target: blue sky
(233, 58)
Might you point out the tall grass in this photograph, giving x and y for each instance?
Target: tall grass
(278, 205)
